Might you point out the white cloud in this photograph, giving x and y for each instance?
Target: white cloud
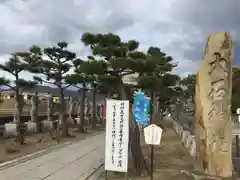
(179, 28)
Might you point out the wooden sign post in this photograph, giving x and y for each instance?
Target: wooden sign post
(152, 135)
(237, 137)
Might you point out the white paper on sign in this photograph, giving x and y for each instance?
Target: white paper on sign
(153, 134)
(117, 135)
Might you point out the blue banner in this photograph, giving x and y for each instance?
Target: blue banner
(146, 104)
(141, 109)
(138, 98)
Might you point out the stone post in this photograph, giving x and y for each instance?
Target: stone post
(34, 107)
(78, 104)
(34, 111)
(98, 110)
(213, 107)
(49, 107)
(74, 108)
(87, 110)
(17, 113)
(70, 108)
(99, 114)
(93, 109)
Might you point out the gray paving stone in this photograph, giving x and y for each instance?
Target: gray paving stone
(72, 162)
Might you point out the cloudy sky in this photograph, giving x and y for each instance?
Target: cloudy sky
(178, 27)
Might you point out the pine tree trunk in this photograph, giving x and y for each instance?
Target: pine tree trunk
(140, 163)
(82, 104)
(62, 117)
(19, 123)
(154, 108)
(34, 111)
(100, 114)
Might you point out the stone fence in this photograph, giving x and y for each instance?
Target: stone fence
(7, 107)
(45, 125)
(187, 137)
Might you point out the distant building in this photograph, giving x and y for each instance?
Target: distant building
(130, 79)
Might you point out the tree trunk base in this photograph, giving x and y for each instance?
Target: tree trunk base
(64, 133)
(20, 139)
(82, 130)
(39, 127)
(94, 126)
(140, 163)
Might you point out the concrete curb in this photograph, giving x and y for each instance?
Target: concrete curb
(34, 155)
(97, 172)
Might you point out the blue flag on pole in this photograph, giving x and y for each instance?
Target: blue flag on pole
(145, 119)
(138, 97)
(141, 109)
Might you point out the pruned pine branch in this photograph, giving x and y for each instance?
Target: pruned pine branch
(92, 67)
(107, 84)
(56, 66)
(5, 82)
(6, 69)
(41, 81)
(21, 83)
(74, 79)
(64, 86)
(14, 65)
(148, 81)
(77, 62)
(114, 51)
(17, 63)
(32, 57)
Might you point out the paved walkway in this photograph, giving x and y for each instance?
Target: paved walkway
(73, 162)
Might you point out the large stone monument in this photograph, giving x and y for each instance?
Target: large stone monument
(213, 107)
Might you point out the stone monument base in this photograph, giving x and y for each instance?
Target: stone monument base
(197, 175)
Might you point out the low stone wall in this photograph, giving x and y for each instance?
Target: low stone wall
(187, 138)
(10, 129)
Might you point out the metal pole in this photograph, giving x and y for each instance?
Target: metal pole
(152, 155)
(152, 147)
(151, 108)
(126, 175)
(106, 175)
(237, 146)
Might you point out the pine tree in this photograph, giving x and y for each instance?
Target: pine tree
(55, 69)
(86, 73)
(119, 60)
(156, 80)
(18, 63)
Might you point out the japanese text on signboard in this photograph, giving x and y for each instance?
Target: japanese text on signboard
(117, 130)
